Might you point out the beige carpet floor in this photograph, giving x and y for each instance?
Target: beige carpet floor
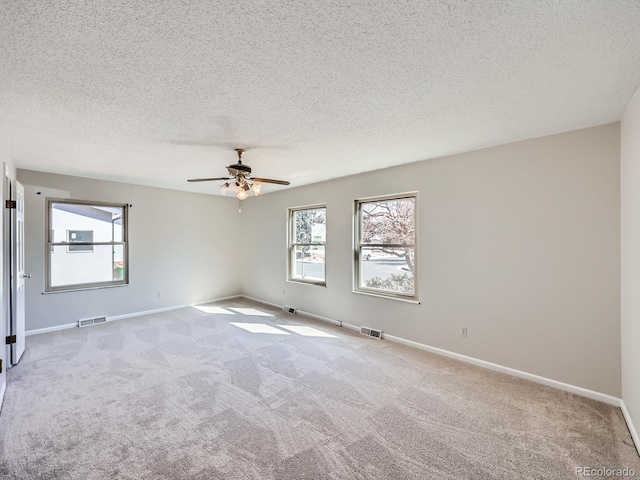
(253, 393)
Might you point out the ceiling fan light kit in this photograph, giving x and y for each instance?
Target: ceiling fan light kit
(256, 187)
(241, 179)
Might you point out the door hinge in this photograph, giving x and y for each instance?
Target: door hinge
(0, 365)
(10, 204)
(11, 339)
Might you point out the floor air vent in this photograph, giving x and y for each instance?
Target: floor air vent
(288, 309)
(92, 321)
(371, 332)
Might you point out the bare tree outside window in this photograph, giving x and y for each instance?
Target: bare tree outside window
(386, 245)
(307, 244)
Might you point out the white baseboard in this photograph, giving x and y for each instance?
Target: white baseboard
(602, 397)
(264, 302)
(38, 331)
(632, 428)
(113, 318)
(330, 320)
(584, 392)
(167, 309)
(337, 323)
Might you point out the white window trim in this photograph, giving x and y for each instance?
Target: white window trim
(357, 246)
(49, 244)
(291, 247)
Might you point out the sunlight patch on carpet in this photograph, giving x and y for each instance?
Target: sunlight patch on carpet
(211, 309)
(259, 328)
(251, 311)
(307, 331)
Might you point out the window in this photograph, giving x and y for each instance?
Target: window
(80, 236)
(385, 246)
(99, 232)
(307, 239)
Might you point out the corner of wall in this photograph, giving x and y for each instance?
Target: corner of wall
(630, 263)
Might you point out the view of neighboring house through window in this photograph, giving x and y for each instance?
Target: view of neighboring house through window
(307, 242)
(82, 237)
(386, 246)
(86, 245)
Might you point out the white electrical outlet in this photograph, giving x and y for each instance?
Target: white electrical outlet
(463, 331)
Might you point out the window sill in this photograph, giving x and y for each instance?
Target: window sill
(305, 282)
(388, 297)
(78, 289)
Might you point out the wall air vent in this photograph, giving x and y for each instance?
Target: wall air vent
(92, 321)
(288, 309)
(371, 332)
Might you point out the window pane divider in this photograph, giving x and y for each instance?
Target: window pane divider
(386, 245)
(66, 244)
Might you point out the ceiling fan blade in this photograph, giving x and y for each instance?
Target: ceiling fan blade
(208, 179)
(268, 180)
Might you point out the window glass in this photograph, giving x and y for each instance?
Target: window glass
(307, 242)
(386, 246)
(98, 233)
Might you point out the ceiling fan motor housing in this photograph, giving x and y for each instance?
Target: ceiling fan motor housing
(239, 168)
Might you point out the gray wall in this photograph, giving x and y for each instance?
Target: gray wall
(520, 243)
(630, 237)
(180, 244)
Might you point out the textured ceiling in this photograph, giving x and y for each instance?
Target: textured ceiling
(156, 92)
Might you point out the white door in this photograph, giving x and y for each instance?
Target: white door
(4, 280)
(17, 317)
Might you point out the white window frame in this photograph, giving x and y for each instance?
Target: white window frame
(358, 245)
(50, 244)
(292, 244)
